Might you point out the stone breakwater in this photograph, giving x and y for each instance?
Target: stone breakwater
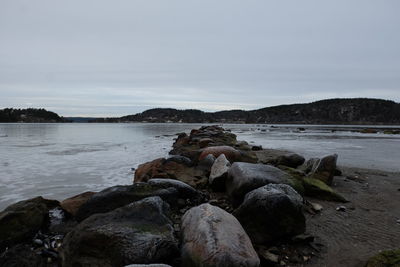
(215, 201)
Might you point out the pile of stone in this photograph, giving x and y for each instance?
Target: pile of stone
(215, 202)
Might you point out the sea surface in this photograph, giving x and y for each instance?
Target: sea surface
(61, 160)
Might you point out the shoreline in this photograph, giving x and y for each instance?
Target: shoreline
(357, 211)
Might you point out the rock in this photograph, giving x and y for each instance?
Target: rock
(316, 207)
(318, 189)
(341, 208)
(290, 160)
(23, 219)
(207, 162)
(180, 159)
(219, 173)
(256, 148)
(72, 204)
(271, 212)
(148, 170)
(121, 195)
(213, 237)
(385, 258)
(230, 153)
(368, 131)
(244, 177)
(324, 169)
(185, 191)
(140, 232)
(204, 142)
(21, 255)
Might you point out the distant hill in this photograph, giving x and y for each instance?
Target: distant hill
(331, 111)
(29, 115)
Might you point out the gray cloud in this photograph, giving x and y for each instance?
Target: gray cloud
(120, 57)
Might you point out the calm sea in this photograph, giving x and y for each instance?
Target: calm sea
(60, 160)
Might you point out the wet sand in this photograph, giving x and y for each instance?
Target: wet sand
(369, 224)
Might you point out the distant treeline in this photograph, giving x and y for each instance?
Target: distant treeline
(29, 115)
(331, 111)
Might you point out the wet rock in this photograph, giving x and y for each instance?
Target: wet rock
(324, 169)
(213, 237)
(180, 159)
(204, 142)
(185, 191)
(148, 170)
(207, 162)
(72, 204)
(385, 258)
(290, 160)
(318, 189)
(140, 232)
(23, 219)
(244, 177)
(271, 212)
(121, 195)
(230, 153)
(219, 173)
(256, 148)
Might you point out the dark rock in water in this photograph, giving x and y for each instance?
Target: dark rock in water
(271, 212)
(256, 148)
(121, 195)
(324, 169)
(140, 232)
(244, 177)
(72, 204)
(21, 255)
(207, 162)
(318, 189)
(387, 258)
(290, 160)
(204, 142)
(219, 173)
(23, 219)
(231, 154)
(213, 237)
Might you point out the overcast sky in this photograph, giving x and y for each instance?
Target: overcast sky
(111, 58)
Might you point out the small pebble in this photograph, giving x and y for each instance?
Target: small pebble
(38, 242)
(341, 208)
(398, 221)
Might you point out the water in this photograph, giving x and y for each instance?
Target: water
(61, 160)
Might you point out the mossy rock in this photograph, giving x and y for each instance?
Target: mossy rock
(296, 178)
(389, 258)
(318, 189)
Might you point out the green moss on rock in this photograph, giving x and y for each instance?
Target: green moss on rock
(318, 189)
(389, 258)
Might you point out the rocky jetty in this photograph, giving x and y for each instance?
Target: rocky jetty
(215, 201)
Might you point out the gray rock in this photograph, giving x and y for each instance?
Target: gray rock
(291, 160)
(180, 159)
(244, 177)
(185, 191)
(140, 232)
(324, 169)
(23, 219)
(207, 162)
(219, 172)
(118, 196)
(213, 237)
(271, 212)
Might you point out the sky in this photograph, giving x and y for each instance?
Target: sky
(119, 57)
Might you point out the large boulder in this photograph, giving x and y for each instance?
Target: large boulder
(318, 189)
(72, 204)
(219, 173)
(140, 232)
(148, 170)
(271, 212)
(23, 219)
(213, 237)
(244, 177)
(230, 153)
(324, 169)
(121, 195)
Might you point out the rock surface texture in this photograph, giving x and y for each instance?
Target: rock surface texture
(271, 212)
(244, 177)
(140, 232)
(219, 173)
(213, 237)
